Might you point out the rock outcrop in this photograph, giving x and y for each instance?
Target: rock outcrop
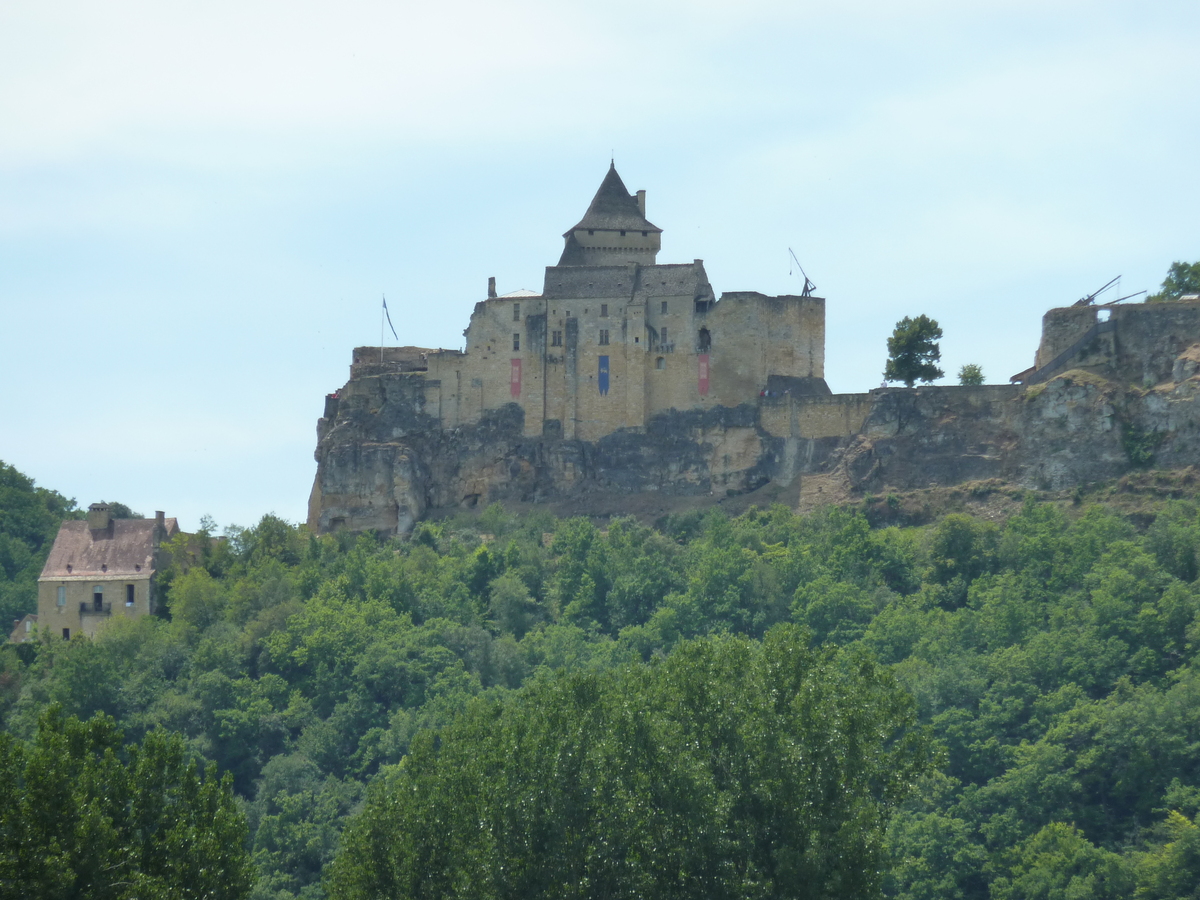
(384, 463)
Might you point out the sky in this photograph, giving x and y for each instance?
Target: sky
(201, 203)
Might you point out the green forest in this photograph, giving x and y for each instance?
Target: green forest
(768, 705)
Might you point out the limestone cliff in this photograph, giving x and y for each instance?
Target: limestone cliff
(384, 463)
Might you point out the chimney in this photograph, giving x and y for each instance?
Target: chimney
(492, 288)
(641, 195)
(160, 518)
(98, 517)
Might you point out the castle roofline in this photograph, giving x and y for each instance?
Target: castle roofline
(613, 209)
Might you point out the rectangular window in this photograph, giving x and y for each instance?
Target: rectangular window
(98, 595)
(129, 595)
(604, 336)
(516, 312)
(62, 595)
(66, 634)
(516, 341)
(664, 308)
(663, 334)
(604, 310)
(556, 339)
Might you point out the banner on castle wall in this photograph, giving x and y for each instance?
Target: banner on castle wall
(703, 373)
(515, 379)
(602, 376)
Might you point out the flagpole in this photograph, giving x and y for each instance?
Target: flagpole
(381, 309)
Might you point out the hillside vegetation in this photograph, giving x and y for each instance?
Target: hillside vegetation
(1051, 658)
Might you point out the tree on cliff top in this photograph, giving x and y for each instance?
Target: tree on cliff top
(1182, 278)
(913, 350)
(971, 374)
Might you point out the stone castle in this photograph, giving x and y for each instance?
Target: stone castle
(614, 338)
(626, 377)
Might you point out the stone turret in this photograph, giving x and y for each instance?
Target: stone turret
(614, 230)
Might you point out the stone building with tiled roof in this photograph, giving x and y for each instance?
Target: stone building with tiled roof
(100, 568)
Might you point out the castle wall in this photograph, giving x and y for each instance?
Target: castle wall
(838, 415)
(604, 348)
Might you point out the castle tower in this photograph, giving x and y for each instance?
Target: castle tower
(614, 231)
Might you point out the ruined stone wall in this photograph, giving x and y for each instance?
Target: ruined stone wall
(1140, 348)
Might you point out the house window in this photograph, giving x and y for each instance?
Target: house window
(662, 334)
(129, 595)
(516, 312)
(604, 310)
(556, 339)
(603, 336)
(660, 363)
(66, 634)
(664, 307)
(98, 595)
(516, 341)
(62, 595)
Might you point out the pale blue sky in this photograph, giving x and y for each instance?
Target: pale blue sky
(200, 203)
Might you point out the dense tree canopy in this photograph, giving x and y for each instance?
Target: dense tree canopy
(1049, 644)
(29, 520)
(913, 350)
(730, 769)
(86, 818)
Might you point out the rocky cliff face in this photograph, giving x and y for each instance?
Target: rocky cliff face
(1075, 428)
(383, 463)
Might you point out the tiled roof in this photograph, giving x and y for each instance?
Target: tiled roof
(613, 208)
(125, 548)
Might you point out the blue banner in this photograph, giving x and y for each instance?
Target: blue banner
(603, 376)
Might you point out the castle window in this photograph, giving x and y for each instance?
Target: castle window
(645, 233)
(516, 312)
(660, 363)
(704, 340)
(664, 307)
(98, 596)
(62, 595)
(591, 231)
(622, 234)
(66, 634)
(556, 339)
(662, 334)
(516, 341)
(603, 310)
(604, 336)
(129, 595)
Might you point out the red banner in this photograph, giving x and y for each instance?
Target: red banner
(515, 379)
(703, 374)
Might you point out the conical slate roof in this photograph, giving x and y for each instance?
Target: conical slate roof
(613, 208)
